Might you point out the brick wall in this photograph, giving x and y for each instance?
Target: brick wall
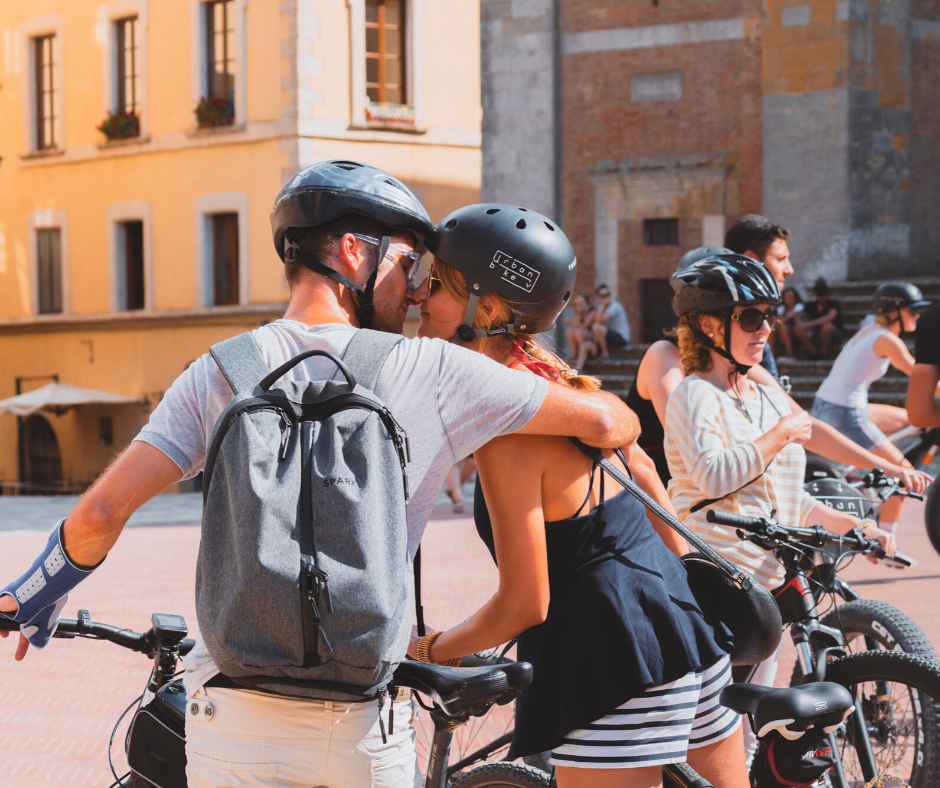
(657, 147)
(925, 136)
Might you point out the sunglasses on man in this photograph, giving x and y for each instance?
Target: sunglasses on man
(417, 270)
(752, 319)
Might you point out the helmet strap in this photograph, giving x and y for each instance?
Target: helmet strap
(724, 352)
(365, 310)
(466, 333)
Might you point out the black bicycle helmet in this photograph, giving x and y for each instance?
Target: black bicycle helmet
(719, 284)
(513, 251)
(892, 296)
(700, 253)
(320, 193)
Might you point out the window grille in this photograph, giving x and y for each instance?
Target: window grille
(385, 43)
(49, 270)
(128, 76)
(44, 65)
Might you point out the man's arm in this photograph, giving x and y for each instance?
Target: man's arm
(826, 318)
(89, 533)
(923, 408)
(596, 417)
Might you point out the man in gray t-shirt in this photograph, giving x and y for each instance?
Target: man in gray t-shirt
(611, 328)
(449, 400)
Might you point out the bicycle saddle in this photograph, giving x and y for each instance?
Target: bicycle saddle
(518, 674)
(453, 690)
(791, 710)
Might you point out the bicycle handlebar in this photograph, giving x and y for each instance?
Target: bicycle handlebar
(141, 642)
(817, 536)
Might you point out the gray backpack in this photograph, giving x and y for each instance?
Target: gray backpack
(303, 583)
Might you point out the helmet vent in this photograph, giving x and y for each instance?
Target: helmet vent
(347, 165)
(524, 209)
(567, 295)
(451, 224)
(549, 227)
(521, 224)
(491, 211)
(390, 182)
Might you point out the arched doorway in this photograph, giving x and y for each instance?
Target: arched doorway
(43, 463)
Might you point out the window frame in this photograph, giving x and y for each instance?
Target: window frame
(114, 12)
(381, 27)
(655, 226)
(210, 49)
(205, 207)
(42, 70)
(199, 76)
(117, 215)
(121, 77)
(413, 65)
(55, 282)
(26, 33)
(215, 220)
(49, 219)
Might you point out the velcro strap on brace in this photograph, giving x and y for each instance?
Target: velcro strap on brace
(42, 591)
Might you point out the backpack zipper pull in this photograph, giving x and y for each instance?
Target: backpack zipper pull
(286, 428)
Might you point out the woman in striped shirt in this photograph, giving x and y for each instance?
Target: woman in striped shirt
(732, 444)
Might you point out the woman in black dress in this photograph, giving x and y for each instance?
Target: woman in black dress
(627, 671)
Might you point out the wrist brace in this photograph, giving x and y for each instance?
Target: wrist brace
(42, 591)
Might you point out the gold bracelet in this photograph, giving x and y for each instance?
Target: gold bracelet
(424, 649)
(868, 522)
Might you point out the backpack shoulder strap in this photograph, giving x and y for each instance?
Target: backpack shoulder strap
(365, 355)
(240, 361)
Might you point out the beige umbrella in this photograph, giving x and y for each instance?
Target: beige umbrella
(59, 397)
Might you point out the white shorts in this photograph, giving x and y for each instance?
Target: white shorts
(256, 740)
(657, 727)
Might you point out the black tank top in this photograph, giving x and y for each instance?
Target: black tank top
(621, 619)
(651, 429)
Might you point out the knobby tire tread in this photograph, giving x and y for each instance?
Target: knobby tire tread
(503, 774)
(918, 673)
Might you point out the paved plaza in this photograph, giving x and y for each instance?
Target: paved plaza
(58, 706)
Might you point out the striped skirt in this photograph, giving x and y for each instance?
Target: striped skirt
(657, 727)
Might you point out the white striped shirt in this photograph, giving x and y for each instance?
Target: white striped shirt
(710, 449)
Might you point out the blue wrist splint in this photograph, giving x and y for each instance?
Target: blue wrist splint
(42, 591)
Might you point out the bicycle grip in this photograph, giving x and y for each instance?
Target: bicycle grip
(9, 625)
(733, 520)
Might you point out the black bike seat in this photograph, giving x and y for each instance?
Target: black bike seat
(790, 710)
(518, 674)
(453, 690)
(171, 700)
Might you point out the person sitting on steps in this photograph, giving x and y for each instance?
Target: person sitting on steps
(611, 329)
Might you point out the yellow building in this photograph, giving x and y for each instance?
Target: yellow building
(143, 143)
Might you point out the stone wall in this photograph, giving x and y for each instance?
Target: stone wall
(517, 86)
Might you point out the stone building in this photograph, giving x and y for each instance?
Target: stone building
(143, 143)
(647, 127)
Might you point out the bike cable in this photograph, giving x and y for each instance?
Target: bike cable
(120, 780)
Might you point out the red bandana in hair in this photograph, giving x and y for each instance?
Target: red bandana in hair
(540, 368)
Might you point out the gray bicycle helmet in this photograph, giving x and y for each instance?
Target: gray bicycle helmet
(322, 192)
(719, 284)
(893, 296)
(513, 251)
(700, 253)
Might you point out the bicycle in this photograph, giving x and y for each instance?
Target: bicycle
(155, 742)
(881, 625)
(896, 728)
(919, 447)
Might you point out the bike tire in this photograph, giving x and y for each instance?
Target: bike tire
(502, 775)
(884, 623)
(932, 513)
(900, 695)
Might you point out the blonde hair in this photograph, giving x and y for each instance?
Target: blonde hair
(882, 320)
(496, 310)
(694, 354)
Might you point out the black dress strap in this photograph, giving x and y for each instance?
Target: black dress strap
(590, 490)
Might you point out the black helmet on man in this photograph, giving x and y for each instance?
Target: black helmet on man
(700, 253)
(513, 251)
(892, 296)
(719, 284)
(326, 190)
